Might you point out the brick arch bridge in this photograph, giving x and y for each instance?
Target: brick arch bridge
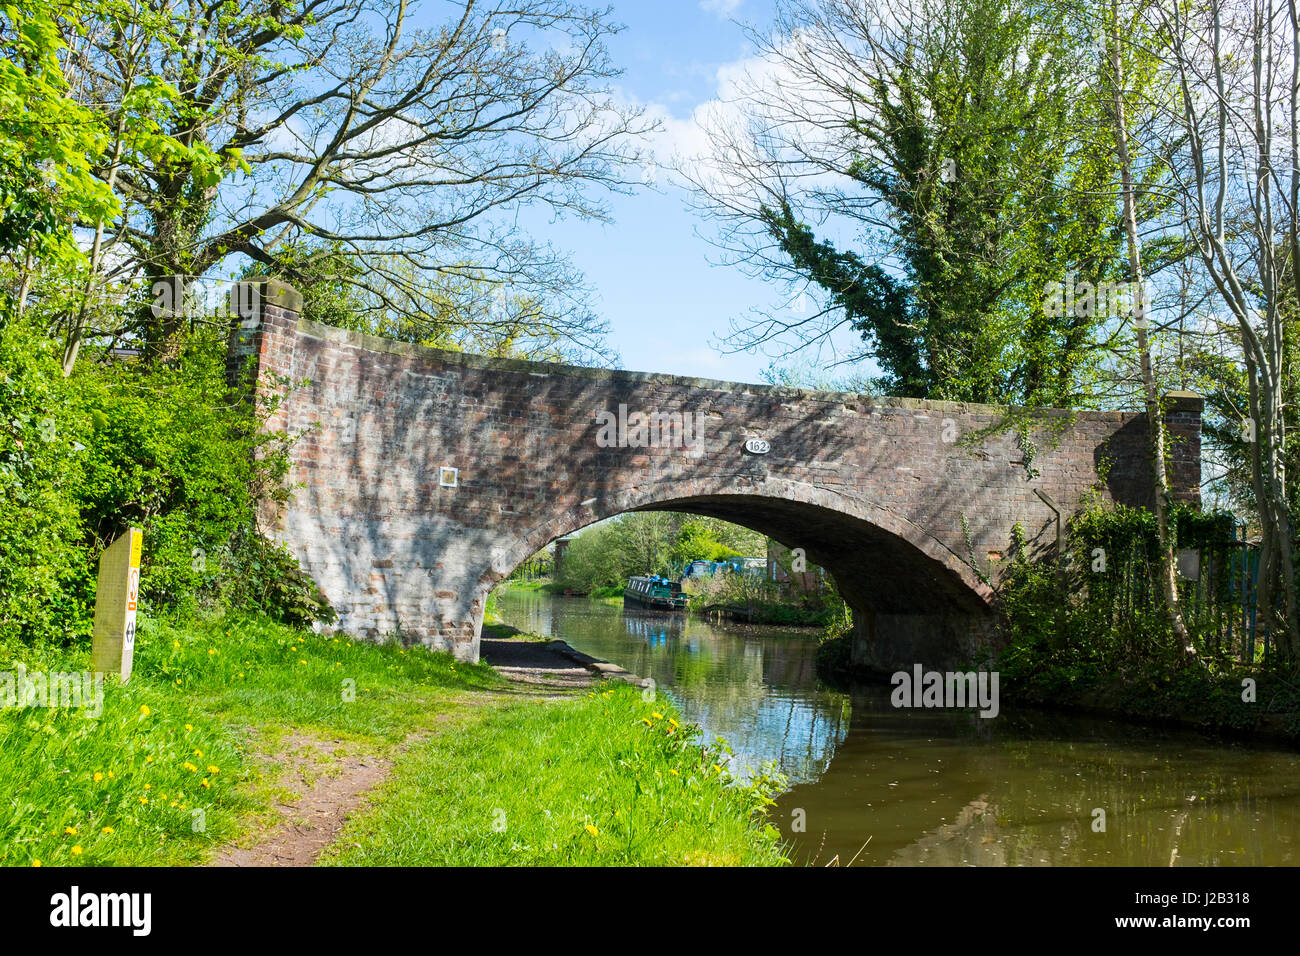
(421, 477)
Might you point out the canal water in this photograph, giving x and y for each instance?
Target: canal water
(940, 787)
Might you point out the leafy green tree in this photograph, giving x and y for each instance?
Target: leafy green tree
(410, 149)
(49, 144)
(696, 542)
(650, 542)
(923, 169)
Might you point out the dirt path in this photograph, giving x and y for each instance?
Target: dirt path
(322, 794)
(326, 784)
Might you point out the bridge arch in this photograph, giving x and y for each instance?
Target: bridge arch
(422, 477)
(909, 592)
(796, 513)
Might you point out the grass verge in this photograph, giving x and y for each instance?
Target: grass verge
(601, 779)
(169, 770)
(184, 760)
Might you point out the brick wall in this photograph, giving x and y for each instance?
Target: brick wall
(894, 497)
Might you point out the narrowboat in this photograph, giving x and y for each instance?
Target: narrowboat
(653, 593)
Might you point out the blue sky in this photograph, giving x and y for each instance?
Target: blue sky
(651, 271)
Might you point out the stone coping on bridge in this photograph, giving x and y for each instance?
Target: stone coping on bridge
(1181, 401)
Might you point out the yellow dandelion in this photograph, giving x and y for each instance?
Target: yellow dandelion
(111, 775)
(98, 776)
(592, 830)
(205, 782)
(211, 651)
(36, 862)
(302, 662)
(70, 831)
(241, 673)
(212, 769)
(144, 799)
(657, 716)
(149, 759)
(76, 851)
(106, 830)
(144, 709)
(148, 786)
(190, 767)
(176, 643)
(197, 752)
(189, 726)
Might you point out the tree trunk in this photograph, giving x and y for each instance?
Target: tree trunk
(1168, 583)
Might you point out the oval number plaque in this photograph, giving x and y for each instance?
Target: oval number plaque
(758, 446)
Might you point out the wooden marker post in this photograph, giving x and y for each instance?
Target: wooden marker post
(113, 644)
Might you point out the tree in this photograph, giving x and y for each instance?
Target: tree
(696, 542)
(135, 128)
(454, 312)
(650, 542)
(341, 122)
(642, 540)
(943, 139)
(1236, 66)
(48, 144)
(1119, 28)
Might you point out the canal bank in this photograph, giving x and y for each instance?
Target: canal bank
(240, 741)
(941, 786)
(587, 766)
(1238, 702)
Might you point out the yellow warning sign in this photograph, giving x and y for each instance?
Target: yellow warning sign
(118, 595)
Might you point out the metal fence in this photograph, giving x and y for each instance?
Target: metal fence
(1219, 599)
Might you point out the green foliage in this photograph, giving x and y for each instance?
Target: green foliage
(259, 575)
(697, 541)
(160, 446)
(1093, 634)
(835, 645)
(592, 560)
(326, 276)
(649, 542)
(49, 143)
(976, 143)
(1101, 613)
(44, 552)
(169, 452)
(764, 601)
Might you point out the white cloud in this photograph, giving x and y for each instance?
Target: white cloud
(712, 143)
(720, 8)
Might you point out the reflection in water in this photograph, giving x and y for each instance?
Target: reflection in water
(754, 687)
(945, 787)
